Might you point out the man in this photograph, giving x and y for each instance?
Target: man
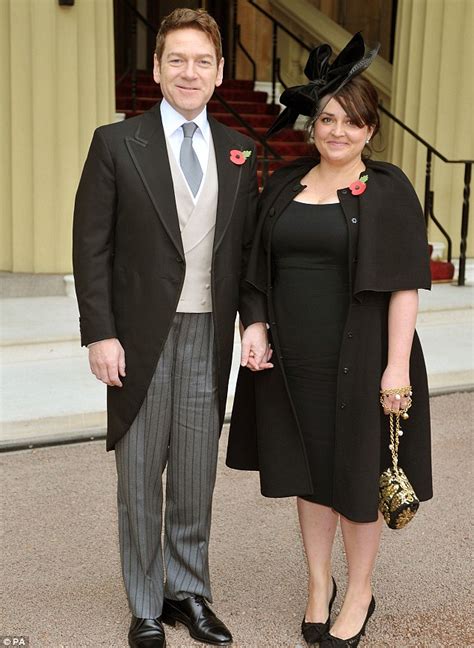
(163, 222)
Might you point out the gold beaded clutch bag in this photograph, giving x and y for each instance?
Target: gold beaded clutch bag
(398, 502)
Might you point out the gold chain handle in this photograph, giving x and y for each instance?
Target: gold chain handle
(394, 439)
(395, 432)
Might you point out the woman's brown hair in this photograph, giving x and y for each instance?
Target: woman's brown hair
(189, 19)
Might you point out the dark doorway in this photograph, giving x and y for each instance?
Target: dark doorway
(136, 23)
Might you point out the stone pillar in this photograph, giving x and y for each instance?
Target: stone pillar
(432, 93)
(58, 77)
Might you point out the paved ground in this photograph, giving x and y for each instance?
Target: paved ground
(61, 576)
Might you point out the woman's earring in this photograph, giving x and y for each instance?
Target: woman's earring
(367, 140)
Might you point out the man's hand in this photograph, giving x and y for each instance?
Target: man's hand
(255, 350)
(107, 361)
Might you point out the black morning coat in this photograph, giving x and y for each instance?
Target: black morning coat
(129, 263)
(387, 251)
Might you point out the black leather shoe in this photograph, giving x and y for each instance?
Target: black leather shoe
(200, 620)
(146, 633)
(334, 642)
(314, 632)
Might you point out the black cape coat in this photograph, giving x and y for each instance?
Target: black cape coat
(129, 263)
(387, 251)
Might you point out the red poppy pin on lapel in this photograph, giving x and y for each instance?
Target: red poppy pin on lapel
(359, 186)
(239, 157)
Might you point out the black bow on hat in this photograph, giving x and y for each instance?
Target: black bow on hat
(324, 78)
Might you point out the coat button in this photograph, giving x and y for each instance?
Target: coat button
(342, 405)
(344, 191)
(350, 335)
(271, 212)
(179, 259)
(354, 220)
(346, 370)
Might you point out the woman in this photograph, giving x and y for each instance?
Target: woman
(340, 253)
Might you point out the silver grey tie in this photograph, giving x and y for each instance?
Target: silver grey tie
(188, 158)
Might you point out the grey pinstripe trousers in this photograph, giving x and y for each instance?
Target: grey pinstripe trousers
(177, 426)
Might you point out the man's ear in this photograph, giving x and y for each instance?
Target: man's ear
(220, 73)
(156, 69)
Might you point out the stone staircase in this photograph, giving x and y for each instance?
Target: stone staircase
(47, 389)
(49, 395)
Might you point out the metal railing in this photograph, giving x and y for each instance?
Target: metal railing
(428, 201)
(276, 26)
(270, 154)
(267, 148)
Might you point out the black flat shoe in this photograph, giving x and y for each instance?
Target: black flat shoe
(313, 632)
(200, 620)
(146, 633)
(334, 642)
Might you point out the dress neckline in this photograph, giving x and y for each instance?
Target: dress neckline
(300, 202)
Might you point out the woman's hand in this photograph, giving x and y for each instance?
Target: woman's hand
(255, 350)
(394, 378)
(402, 312)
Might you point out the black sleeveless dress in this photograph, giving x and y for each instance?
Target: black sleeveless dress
(311, 296)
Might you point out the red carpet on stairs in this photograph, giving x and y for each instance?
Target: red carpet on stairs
(253, 107)
(250, 104)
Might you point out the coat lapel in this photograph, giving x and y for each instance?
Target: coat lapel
(229, 176)
(148, 151)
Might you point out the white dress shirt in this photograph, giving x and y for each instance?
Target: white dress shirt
(172, 122)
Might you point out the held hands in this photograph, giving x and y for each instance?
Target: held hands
(255, 350)
(107, 361)
(394, 379)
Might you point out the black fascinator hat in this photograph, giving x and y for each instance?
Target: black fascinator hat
(324, 78)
